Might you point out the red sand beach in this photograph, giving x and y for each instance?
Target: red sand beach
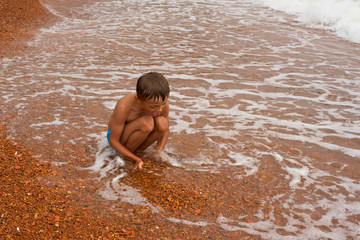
(30, 208)
(38, 201)
(19, 20)
(53, 198)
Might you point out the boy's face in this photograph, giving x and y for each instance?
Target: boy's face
(154, 107)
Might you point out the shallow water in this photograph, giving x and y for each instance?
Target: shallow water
(255, 97)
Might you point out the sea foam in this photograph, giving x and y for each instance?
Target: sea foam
(340, 16)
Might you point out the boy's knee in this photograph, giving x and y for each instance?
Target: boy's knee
(161, 123)
(147, 123)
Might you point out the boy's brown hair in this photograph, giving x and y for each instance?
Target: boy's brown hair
(152, 85)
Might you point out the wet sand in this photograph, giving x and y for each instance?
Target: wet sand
(61, 201)
(31, 207)
(41, 201)
(19, 20)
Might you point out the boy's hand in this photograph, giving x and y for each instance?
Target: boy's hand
(139, 165)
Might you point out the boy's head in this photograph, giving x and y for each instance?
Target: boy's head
(152, 85)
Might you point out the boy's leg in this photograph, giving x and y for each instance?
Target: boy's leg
(136, 132)
(161, 126)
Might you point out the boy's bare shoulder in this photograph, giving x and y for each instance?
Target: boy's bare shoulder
(125, 106)
(123, 111)
(125, 102)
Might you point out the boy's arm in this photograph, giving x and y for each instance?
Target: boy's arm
(117, 129)
(162, 141)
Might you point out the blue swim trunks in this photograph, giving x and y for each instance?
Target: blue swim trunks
(108, 135)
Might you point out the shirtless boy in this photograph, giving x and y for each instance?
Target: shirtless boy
(140, 119)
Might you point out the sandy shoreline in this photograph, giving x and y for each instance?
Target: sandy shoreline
(30, 207)
(33, 209)
(61, 200)
(41, 201)
(19, 20)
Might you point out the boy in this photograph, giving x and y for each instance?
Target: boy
(139, 119)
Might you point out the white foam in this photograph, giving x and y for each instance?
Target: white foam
(106, 161)
(114, 191)
(57, 121)
(187, 222)
(297, 174)
(250, 163)
(340, 16)
(109, 104)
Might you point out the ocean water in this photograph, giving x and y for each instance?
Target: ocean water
(341, 17)
(253, 92)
